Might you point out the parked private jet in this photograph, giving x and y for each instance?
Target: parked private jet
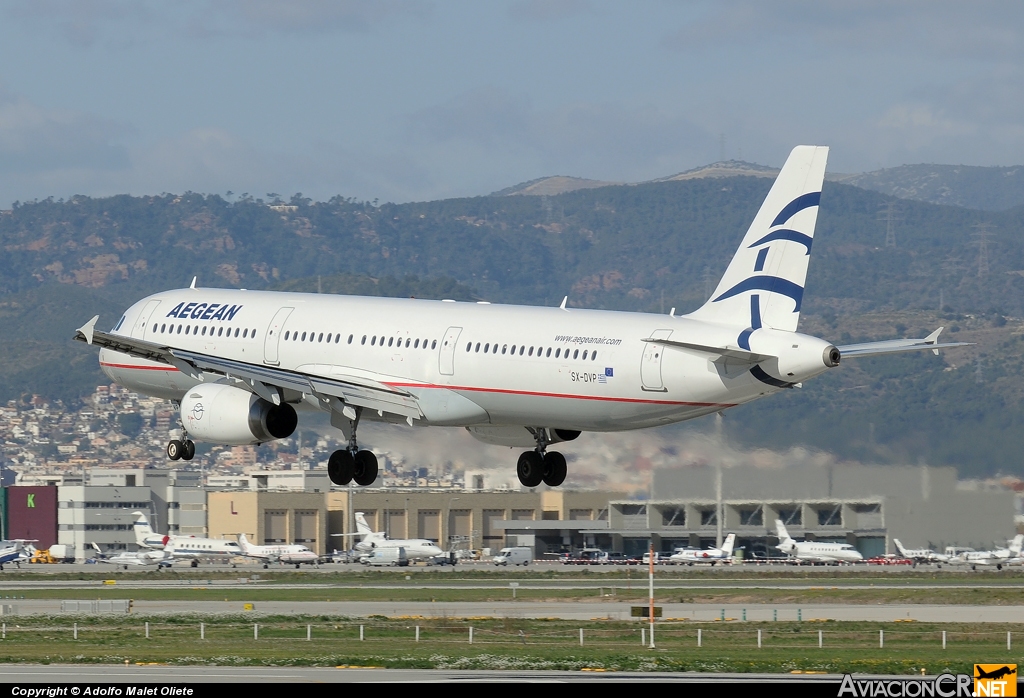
(238, 363)
(920, 555)
(813, 551)
(185, 547)
(288, 554)
(998, 558)
(415, 548)
(160, 558)
(711, 556)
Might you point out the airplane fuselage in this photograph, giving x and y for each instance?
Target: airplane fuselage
(469, 364)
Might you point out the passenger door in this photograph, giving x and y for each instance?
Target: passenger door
(141, 325)
(273, 336)
(650, 364)
(446, 358)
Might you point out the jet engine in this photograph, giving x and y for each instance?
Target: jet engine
(223, 414)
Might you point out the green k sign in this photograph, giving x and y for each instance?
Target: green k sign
(31, 504)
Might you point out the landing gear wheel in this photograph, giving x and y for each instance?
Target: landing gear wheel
(554, 469)
(195, 563)
(188, 451)
(530, 469)
(341, 466)
(175, 449)
(365, 468)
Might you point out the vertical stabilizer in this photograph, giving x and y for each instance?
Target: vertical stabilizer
(764, 284)
(780, 528)
(899, 547)
(730, 541)
(243, 543)
(1015, 546)
(364, 528)
(142, 530)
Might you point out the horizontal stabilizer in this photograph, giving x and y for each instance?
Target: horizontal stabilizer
(725, 352)
(895, 346)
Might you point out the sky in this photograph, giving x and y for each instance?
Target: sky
(406, 100)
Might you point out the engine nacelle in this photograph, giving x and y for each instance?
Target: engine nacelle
(518, 436)
(223, 414)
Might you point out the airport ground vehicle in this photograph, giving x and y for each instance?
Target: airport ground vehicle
(513, 556)
(387, 557)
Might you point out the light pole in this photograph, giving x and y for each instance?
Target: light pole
(387, 519)
(407, 517)
(447, 519)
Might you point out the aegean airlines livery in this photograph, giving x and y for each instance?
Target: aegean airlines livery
(239, 363)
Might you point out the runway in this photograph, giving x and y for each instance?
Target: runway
(574, 610)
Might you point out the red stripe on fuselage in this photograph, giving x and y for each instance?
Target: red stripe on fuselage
(499, 391)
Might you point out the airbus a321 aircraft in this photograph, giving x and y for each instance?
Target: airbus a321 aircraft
(813, 551)
(240, 363)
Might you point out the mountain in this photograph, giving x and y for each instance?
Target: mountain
(550, 186)
(645, 247)
(985, 188)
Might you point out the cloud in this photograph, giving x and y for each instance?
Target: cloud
(34, 139)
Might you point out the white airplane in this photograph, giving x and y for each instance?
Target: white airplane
(287, 554)
(998, 558)
(920, 555)
(813, 551)
(160, 558)
(186, 547)
(691, 556)
(415, 548)
(238, 363)
(14, 551)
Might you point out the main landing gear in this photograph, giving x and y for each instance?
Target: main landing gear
(183, 448)
(351, 464)
(537, 466)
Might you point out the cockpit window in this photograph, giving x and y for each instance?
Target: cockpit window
(119, 323)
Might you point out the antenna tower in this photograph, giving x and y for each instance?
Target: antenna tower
(887, 212)
(983, 238)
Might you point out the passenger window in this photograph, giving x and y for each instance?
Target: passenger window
(557, 352)
(287, 334)
(364, 340)
(320, 338)
(416, 344)
(252, 333)
(531, 352)
(433, 345)
(504, 347)
(236, 333)
(220, 331)
(487, 347)
(204, 330)
(468, 347)
(584, 354)
(303, 336)
(478, 347)
(407, 342)
(521, 350)
(163, 328)
(350, 337)
(154, 328)
(391, 340)
(337, 338)
(593, 357)
(188, 329)
(373, 340)
(245, 333)
(548, 352)
(576, 354)
(328, 337)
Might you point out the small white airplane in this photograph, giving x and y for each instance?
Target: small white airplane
(288, 554)
(239, 363)
(920, 555)
(160, 558)
(998, 558)
(415, 548)
(711, 556)
(14, 551)
(186, 547)
(813, 551)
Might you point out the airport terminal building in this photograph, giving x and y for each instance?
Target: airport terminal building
(866, 506)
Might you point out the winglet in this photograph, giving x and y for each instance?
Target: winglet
(88, 328)
(933, 338)
(193, 284)
(564, 301)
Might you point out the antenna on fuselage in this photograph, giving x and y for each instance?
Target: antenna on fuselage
(193, 284)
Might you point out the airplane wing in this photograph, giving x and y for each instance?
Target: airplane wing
(734, 353)
(338, 390)
(895, 346)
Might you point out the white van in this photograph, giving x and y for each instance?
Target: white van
(513, 556)
(388, 557)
